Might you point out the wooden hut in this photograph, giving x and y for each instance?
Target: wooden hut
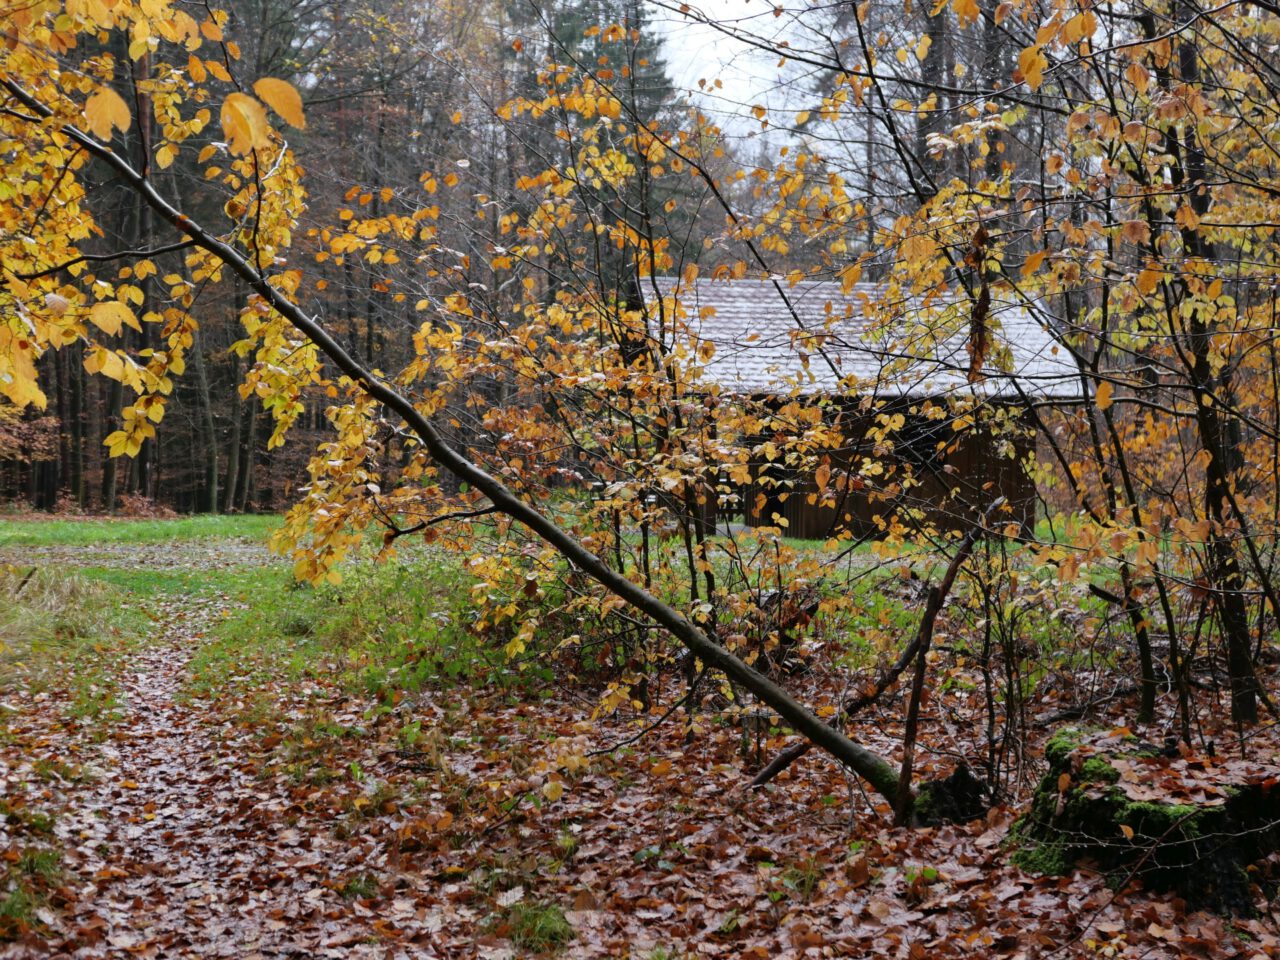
(964, 437)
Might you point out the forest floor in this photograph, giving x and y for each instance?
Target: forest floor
(212, 769)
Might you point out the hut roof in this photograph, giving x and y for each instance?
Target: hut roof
(814, 338)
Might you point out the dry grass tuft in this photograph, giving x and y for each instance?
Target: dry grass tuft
(46, 615)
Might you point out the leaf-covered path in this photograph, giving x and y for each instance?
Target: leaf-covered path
(183, 851)
(172, 843)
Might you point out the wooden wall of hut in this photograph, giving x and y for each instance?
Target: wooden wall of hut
(944, 484)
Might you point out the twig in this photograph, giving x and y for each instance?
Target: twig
(106, 257)
(394, 532)
(19, 588)
(693, 688)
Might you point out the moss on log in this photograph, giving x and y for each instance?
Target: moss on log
(1178, 822)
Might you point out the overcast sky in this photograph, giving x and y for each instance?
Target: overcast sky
(695, 52)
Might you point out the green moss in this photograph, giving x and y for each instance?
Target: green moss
(1156, 820)
(1053, 858)
(1060, 745)
(1200, 851)
(925, 807)
(1097, 770)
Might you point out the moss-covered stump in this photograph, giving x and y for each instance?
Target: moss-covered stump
(1193, 825)
(959, 798)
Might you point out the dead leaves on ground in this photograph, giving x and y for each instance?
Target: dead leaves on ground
(289, 819)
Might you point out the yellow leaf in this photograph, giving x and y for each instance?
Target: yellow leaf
(109, 316)
(244, 121)
(218, 70)
(1031, 65)
(105, 362)
(283, 98)
(553, 790)
(17, 369)
(1102, 397)
(116, 442)
(1147, 281)
(104, 110)
(967, 11)
(1080, 26)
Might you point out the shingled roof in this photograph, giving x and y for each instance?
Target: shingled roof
(817, 337)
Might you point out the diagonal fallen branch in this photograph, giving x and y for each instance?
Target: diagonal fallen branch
(863, 762)
(916, 649)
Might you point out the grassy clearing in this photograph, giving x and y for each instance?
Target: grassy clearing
(237, 582)
(28, 530)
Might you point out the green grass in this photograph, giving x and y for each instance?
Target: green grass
(538, 927)
(28, 531)
(237, 582)
(389, 627)
(21, 890)
(18, 906)
(40, 862)
(360, 887)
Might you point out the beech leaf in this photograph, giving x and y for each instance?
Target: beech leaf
(106, 110)
(282, 97)
(1102, 398)
(111, 315)
(244, 121)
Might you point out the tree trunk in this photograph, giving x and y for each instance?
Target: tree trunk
(209, 501)
(233, 444)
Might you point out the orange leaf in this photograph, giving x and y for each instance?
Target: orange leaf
(1031, 65)
(283, 98)
(1102, 397)
(244, 121)
(105, 110)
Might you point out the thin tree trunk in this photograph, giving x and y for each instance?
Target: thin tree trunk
(233, 444)
(210, 439)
